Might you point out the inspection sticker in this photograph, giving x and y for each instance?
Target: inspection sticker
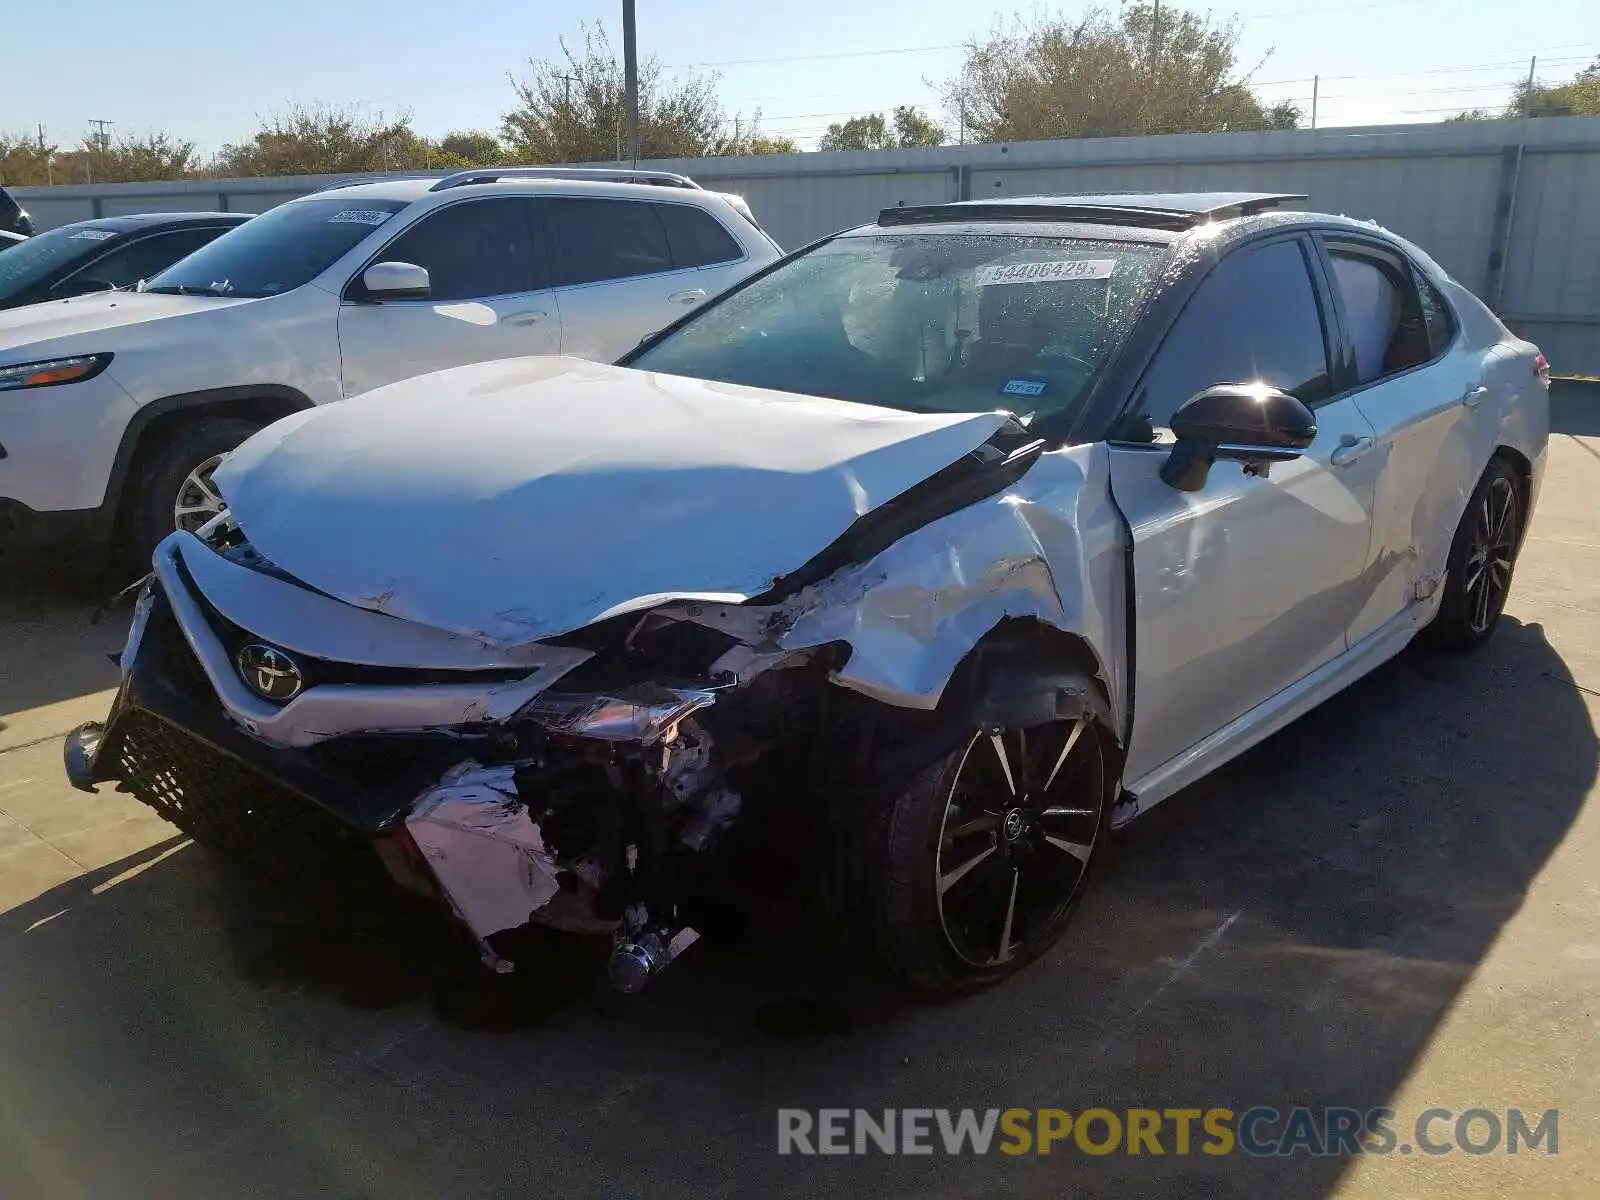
(93, 235)
(1047, 272)
(359, 216)
(1023, 387)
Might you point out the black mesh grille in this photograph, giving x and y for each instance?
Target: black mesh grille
(238, 811)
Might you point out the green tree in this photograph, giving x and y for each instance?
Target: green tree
(872, 132)
(319, 140)
(911, 128)
(1470, 114)
(762, 144)
(153, 156)
(572, 108)
(1579, 96)
(23, 161)
(467, 148)
(1105, 74)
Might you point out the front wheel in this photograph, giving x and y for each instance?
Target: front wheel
(980, 860)
(174, 489)
(1482, 556)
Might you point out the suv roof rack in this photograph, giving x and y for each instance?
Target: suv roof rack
(1181, 210)
(593, 174)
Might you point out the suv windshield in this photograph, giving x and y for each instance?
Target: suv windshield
(279, 250)
(925, 322)
(28, 262)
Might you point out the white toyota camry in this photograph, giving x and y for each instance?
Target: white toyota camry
(953, 541)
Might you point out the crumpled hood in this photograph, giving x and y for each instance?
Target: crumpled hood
(520, 499)
(101, 313)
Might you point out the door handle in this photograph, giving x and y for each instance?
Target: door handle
(1349, 449)
(527, 318)
(691, 296)
(1473, 396)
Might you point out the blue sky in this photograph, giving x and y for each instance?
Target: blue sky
(206, 69)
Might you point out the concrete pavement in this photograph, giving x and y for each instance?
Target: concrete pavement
(1393, 902)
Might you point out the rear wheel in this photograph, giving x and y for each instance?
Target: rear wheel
(1482, 557)
(971, 871)
(174, 488)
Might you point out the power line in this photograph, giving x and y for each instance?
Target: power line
(790, 58)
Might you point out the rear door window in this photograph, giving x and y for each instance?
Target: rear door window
(1254, 318)
(695, 237)
(599, 240)
(473, 249)
(1436, 313)
(1382, 313)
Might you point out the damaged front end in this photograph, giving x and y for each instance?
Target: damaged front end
(604, 776)
(598, 804)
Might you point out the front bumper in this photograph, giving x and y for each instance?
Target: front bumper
(317, 818)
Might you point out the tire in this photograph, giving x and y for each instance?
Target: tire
(149, 509)
(959, 879)
(1482, 558)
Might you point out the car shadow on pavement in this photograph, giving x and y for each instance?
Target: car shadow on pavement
(51, 652)
(1291, 930)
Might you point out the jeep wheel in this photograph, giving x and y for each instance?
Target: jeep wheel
(174, 489)
(973, 868)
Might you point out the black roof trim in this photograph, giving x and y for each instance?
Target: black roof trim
(1155, 211)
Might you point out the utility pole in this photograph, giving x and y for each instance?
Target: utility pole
(102, 140)
(49, 166)
(1527, 94)
(630, 69)
(1315, 80)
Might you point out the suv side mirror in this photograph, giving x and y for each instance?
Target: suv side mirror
(396, 281)
(1242, 422)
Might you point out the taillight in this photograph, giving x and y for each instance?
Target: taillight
(1541, 368)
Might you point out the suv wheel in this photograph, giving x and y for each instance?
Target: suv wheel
(174, 490)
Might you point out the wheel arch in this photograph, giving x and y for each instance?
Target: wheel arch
(1026, 671)
(1523, 468)
(264, 402)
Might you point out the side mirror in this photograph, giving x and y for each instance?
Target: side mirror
(396, 281)
(1242, 422)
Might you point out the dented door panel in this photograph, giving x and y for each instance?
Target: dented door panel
(1242, 587)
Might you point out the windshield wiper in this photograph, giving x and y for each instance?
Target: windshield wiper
(186, 289)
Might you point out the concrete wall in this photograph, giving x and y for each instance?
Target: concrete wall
(1463, 192)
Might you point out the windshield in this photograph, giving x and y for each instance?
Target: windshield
(279, 250)
(35, 259)
(924, 322)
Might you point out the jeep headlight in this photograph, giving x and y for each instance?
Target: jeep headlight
(52, 371)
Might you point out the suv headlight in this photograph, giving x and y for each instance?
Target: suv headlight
(52, 371)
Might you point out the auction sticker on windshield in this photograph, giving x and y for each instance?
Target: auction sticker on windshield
(1046, 272)
(359, 216)
(94, 235)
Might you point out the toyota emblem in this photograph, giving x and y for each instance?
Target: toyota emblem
(270, 673)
